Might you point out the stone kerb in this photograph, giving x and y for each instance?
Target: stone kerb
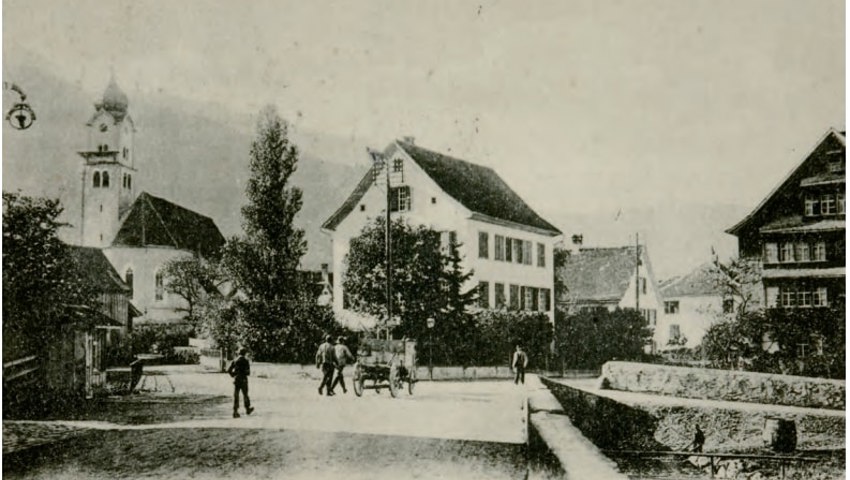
(551, 434)
(712, 384)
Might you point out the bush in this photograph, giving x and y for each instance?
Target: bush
(587, 340)
(160, 339)
(499, 331)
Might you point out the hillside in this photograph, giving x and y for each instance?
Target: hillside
(187, 153)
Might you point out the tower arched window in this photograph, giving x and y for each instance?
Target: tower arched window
(128, 279)
(95, 180)
(159, 287)
(104, 182)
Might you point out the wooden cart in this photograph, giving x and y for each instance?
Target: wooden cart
(387, 363)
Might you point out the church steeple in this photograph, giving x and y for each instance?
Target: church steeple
(108, 167)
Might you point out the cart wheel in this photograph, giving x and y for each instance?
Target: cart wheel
(395, 382)
(358, 380)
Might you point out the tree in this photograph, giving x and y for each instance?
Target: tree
(192, 278)
(40, 276)
(739, 279)
(428, 281)
(588, 339)
(263, 263)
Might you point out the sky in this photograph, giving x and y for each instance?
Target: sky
(588, 106)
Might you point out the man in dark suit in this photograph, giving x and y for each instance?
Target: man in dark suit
(240, 369)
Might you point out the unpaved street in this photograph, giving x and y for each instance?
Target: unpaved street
(445, 430)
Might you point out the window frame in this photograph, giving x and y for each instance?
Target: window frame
(811, 205)
(771, 253)
(499, 298)
(541, 254)
(483, 244)
(827, 204)
(671, 307)
(484, 294)
(159, 286)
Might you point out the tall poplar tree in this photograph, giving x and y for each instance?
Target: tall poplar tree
(263, 263)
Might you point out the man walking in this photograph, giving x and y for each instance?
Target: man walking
(519, 364)
(239, 370)
(342, 355)
(326, 361)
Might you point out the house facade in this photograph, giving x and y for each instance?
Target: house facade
(797, 232)
(692, 304)
(501, 239)
(138, 233)
(609, 278)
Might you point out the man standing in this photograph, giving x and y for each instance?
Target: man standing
(136, 368)
(326, 361)
(519, 364)
(240, 369)
(342, 355)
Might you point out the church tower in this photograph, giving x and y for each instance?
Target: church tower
(108, 168)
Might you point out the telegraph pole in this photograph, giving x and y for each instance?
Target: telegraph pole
(380, 161)
(389, 252)
(637, 272)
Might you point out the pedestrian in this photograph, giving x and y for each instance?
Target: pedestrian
(136, 367)
(239, 370)
(519, 364)
(342, 355)
(326, 361)
(699, 440)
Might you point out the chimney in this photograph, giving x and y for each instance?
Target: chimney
(409, 139)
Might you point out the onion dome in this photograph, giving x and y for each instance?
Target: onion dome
(115, 100)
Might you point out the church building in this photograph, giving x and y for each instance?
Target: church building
(138, 233)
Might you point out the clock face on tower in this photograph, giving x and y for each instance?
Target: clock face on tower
(103, 127)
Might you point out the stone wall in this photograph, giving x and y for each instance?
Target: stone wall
(728, 385)
(646, 425)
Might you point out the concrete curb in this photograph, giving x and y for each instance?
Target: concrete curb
(551, 434)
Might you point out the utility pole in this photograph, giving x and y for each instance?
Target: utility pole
(389, 251)
(380, 161)
(637, 272)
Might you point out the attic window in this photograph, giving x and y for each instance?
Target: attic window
(400, 199)
(433, 200)
(398, 165)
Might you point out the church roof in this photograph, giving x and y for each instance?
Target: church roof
(93, 268)
(154, 221)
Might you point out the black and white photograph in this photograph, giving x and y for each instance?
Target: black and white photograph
(395, 239)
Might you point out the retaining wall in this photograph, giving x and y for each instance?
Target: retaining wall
(644, 425)
(684, 382)
(553, 439)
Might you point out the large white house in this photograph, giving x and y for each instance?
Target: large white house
(138, 234)
(508, 246)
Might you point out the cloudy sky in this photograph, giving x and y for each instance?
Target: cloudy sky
(582, 105)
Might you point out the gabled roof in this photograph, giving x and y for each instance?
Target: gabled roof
(94, 269)
(700, 282)
(598, 274)
(479, 189)
(153, 221)
(832, 140)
